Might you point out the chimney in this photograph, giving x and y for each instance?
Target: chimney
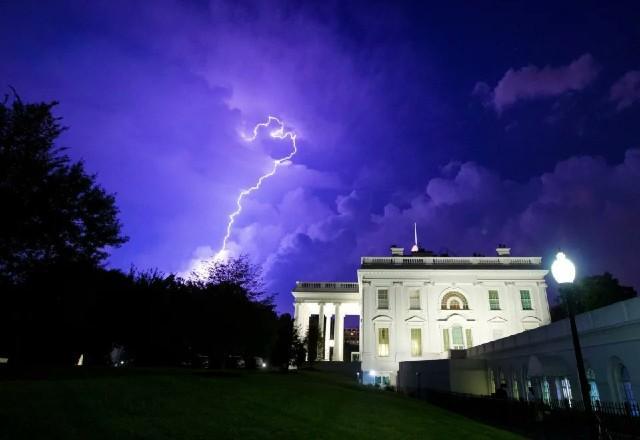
(503, 250)
(397, 251)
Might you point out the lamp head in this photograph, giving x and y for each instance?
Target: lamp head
(563, 270)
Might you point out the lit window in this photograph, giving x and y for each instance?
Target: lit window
(383, 341)
(456, 336)
(515, 391)
(445, 339)
(414, 300)
(525, 298)
(383, 299)
(628, 390)
(593, 386)
(546, 391)
(469, 338)
(565, 386)
(494, 300)
(455, 301)
(492, 382)
(416, 342)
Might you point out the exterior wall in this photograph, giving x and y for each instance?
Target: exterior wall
(457, 375)
(433, 284)
(609, 336)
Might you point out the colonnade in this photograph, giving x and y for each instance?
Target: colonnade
(325, 311)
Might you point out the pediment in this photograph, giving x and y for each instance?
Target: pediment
(382, 318)
(414, 318)
(532, 319)
(456, 316)
(497, 320)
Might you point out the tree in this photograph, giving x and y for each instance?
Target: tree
(53, 211)
(591, 293)
(314, 341)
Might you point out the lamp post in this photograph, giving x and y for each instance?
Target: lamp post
(564, 272)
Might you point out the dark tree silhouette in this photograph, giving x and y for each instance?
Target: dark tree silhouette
(288, 347)
(313, 340)
(53, 211)
(591, 293)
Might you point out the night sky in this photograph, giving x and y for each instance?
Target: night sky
(483, 122)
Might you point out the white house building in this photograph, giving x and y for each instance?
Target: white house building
(419, 306)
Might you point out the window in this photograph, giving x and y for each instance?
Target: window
(525, 298)
(565, 387)
(494, 300)
(456, 336)
(515, 390)
(546, 391)
(497, 333)
(454, 301)
(416, 342)
(445, 338)
(382, 381)
(492, 382)
(383, 341)
(593, 386)
(627, 390)
(469, 338)
(383, 299)
(414, 300)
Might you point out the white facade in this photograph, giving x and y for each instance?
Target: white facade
(419, 307)
(544, 360)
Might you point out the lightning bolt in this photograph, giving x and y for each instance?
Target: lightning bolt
(276, 133)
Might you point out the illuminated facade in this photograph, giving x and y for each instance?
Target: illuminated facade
(420, 306)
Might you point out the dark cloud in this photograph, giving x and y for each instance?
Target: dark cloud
(626, 91)
(531, 82)
(158, 95)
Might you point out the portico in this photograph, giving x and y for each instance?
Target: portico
(327, 301)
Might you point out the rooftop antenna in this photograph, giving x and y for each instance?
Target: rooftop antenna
(415, 247)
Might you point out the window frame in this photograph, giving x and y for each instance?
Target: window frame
(529, 298)
(417, 353)
(382, 289)
(496, 299)
(411, 298)
(378, 343)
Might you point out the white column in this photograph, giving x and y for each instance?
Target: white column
(365, 326)
(338, 332)
(296, 316)
(304, 320)
(321, 326)
(327, 338)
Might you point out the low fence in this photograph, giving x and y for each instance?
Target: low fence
(545, 420)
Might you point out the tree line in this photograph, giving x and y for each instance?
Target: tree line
(59, 302)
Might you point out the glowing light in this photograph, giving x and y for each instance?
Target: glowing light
(563, 270)
(277, 133)
(372, 373)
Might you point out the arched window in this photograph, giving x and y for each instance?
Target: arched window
(454, 301)
(625, 382)
(593, 386)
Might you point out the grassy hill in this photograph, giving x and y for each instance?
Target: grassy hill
(187, 404)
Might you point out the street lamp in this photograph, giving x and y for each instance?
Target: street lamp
(564, 272)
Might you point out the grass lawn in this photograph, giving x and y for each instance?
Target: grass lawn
(186, 404)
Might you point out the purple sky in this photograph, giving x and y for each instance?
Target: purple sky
(516, 123)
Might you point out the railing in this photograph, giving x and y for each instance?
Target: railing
(337, 286)
(450, 261)
(556, 418)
